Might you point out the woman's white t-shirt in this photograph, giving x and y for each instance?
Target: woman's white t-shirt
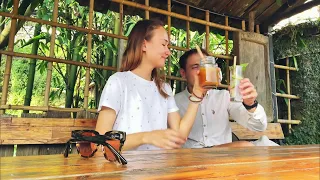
(138, 104)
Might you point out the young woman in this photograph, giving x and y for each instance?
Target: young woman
(138, 101)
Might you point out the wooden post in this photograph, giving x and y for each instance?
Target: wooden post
(52, 45)
(7, 72)
(188, 27)
(243, 25)
(121, 44)
(258, 28)
(169, 35)
(146, 11)
(251, 21)
(89, 52)
(207, 31)
(227, 48)
(289, 92)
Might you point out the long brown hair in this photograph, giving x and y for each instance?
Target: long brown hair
(132, 56)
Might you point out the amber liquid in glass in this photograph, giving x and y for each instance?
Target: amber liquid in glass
(209, 77)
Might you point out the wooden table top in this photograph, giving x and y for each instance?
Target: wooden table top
(284, 162)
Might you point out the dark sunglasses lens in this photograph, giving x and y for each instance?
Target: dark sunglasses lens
(108, 153)
(86, 149)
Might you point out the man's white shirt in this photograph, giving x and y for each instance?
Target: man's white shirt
(211, 126)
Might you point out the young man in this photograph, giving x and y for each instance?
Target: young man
(211, 127)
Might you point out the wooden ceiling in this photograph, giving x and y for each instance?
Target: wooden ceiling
(267, 12)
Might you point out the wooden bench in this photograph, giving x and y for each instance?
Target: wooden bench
(39, 136)
(273, 131)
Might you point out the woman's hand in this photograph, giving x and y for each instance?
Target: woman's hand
(197, 89)
(167, 139)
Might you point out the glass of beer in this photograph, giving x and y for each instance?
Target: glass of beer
(209, 76)
(235, 77)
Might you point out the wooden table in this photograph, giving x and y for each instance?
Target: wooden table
(285, 162)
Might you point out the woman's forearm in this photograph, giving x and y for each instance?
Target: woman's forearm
(134, 140)
(188, 119)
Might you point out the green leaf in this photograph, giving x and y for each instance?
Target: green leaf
(244, 66)
(36, 38)
(279, 2)
(301, 42)
(295, 63)
(285, 99)
(129, 29)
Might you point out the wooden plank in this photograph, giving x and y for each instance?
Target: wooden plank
(85, 123)
(43, 122)
(273, 131)
(25, 133)
(207, 163)
(5, 120)
(39, 149)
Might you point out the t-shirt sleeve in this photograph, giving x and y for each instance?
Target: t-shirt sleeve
(111, 94)
(172, 106)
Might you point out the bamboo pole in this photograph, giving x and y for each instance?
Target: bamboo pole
(243, 25)
(285, 67)
(227, 48)
(258, 28)
(97, 32)
(175, 15)
(188, 27)
(251, 21)
(89, 53)
(288, 96)
(56, 24)
(207, 30)
(7, 72)
(121, 44)
(211, 54)
(285, 121)
(169, 35)
(52, 45)
(146, 11)
(57, 60)
(289, 92)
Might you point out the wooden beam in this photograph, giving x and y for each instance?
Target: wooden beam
(146, 11)
(243, 25)
(251, 21)
(258, 28)
(279, 15)
(175, 15)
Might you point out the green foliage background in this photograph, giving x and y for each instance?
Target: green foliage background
(68, 81)
(302, 42)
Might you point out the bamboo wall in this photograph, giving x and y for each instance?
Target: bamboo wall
(90, 31)
(288, 96)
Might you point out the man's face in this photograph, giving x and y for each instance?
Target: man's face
(192, 67)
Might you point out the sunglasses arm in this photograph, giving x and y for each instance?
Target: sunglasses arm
(115, 152)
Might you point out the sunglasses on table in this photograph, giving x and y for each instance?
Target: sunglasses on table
(87, 142)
